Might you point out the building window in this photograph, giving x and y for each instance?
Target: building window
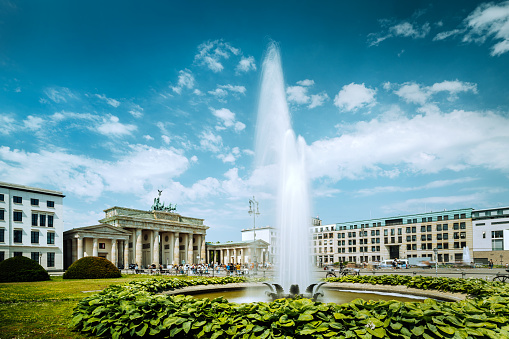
(50, 221)
(50, 259)
(2, 197)
(50, 238)
(456, 226)
(18, 236)
(497, 244)
(102, 245)
(446, 236)
(439, 227)
(497, 234)
(2, 255)
(18, 254)
(34, 237)
(42, 220)
(423, 228)
(2, 235)
(34, 256)
(35, 218)
(484, 235)
(445, 227)
(18, 216)
(463, 225)
(2, 213)
(17, 200)
(50, 203)
(34, 202)
(439, 218)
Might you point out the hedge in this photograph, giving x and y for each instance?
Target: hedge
(132, 310)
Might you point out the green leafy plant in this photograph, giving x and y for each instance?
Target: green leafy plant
(18, 269)
(132, 310)
(92, 268)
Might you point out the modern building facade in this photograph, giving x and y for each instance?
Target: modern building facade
(491, 235)
(130, 236)
(31, 224)
(402, 237)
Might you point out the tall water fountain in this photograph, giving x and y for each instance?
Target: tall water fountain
(283, 155)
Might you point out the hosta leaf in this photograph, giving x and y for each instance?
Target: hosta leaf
(305, 317)
(377, 332)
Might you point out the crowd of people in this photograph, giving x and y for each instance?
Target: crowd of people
(200, 269)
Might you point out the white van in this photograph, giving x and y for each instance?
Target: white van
(402, 263)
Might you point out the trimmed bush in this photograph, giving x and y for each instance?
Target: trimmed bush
(18, 269)
(92, 268)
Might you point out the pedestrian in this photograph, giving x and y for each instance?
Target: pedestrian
(491, 264)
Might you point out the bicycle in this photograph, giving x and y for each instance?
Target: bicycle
(502, 277)
(331, 273)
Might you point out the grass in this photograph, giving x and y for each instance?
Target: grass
(43, 309)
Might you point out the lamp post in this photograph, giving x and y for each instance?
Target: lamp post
(436, 261)
(253, 210)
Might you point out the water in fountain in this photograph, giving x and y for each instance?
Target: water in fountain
(466, 256)
(278, 148)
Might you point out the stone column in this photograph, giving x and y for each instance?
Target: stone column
(114, 256)
(190, 258)
(95, 248)
(171, 242)
(155, 251)
(228, 258)
(126, 254)
(139, 249)
(234, 256)
(203, 249)
(176, 249)
(80, 248)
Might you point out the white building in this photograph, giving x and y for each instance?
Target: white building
(267, 234)
(491, 235)
(31, 224)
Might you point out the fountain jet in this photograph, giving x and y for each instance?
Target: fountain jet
(278, 150)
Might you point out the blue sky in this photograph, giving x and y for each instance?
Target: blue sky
(404, 105)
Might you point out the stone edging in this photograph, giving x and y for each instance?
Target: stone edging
(445, 296)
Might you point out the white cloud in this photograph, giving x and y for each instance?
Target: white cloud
(246, 64)
(185, 80)
(112, 127)
(59, 94)
(212, 53)
(488, 20)
(219, 92)
(211, 142)
(399, 189)
(404, 29)
(109, 101)
(33, 123)
(426, 143)
(148, 137)
(355, 96)
(227, 119)
(8, 124)
(138, 168)
(297, 94)
(318, 99)
(236, 89)
(222, 90)
(306, 82)
(166, 139)
(136, 111)
(414, 93)
(432, 203)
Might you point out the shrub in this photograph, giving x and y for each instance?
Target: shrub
(17, 269)
(92, 268)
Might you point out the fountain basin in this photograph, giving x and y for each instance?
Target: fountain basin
(334, 292)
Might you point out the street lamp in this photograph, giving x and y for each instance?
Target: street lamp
(436, 261)
(253, 210)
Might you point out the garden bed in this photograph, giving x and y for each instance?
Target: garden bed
(133, 310)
